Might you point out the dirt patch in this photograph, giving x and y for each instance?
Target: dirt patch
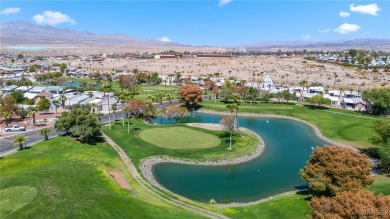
(118, 177)
(209, 126)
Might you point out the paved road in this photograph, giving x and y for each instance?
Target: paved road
(33, 136)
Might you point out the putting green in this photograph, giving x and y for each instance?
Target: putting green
(179, 138)
(14, 198)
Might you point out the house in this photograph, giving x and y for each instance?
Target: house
(106, 103)
(76, 99)
(41, 96)
(354, 103)
(317, 90)
(334, 101)
(29, 95)
(24, 89)
(8, 89)
(37, 90)
(268, 84)
(53, 90)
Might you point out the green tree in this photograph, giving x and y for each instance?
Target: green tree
(43, 105)
(287, 96)
(226, 94)
(20, 140)
(319, 100)
(382, 140)
(252, 94)
(81, 121)
(6, 116)
(17, 95)
(8, 104)
(333, 169)
(45, 132)
(379, 99)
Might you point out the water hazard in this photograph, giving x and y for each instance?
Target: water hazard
(288, 146)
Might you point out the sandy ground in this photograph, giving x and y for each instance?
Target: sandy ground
(119, 179)
(209, 126)
(282, 70)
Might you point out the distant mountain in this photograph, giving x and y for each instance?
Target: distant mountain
(366, 44)
(21, 32)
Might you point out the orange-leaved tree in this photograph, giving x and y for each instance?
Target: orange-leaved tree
(333, 169)
(190, 95)
(362, 204)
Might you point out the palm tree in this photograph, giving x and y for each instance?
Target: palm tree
(107, 88)
(149, 99)
(19, 140)
(62, 99)
(56, 104)
(160, 97)
(169, 97)
(31, 111)
(303, 85)
(124, 98)
(113, 108)
(45, 132)
(90, 94)
(126, 110)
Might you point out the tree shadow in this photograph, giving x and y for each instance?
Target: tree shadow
(371, 152)
(314, 107)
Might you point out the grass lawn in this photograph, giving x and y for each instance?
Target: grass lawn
(381, 185)
(293, 205)
(137, 148)
(179, 138)
(62, 178)
(283, 206)
(345, 126)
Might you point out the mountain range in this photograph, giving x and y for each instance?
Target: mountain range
(25, 33)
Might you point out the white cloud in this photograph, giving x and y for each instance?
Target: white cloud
(324, 31)
(223, 2)
(8, 11)
(344, 14)
(306, 37)
(371, 9)
(347, 28)
(164, 39)
(53, 18)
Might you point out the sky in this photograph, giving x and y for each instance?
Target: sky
(211, 22)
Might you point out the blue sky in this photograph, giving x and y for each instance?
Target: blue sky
(212, 22)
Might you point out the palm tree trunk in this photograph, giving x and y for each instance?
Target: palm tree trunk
(109, 114)
(46, 137)
(21, 146)
(230, 145)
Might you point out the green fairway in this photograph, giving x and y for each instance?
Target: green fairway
(62, 178)
(345, 126)
(15, 197)
(179, 138)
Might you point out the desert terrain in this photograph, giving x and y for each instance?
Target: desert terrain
(284, 71)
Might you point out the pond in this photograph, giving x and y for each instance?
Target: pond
(288, 145)
(27, 48)
(78, 85)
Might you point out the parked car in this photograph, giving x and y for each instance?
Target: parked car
(15, 128)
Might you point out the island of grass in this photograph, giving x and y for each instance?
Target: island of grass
(141, 142)
(179, 138)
